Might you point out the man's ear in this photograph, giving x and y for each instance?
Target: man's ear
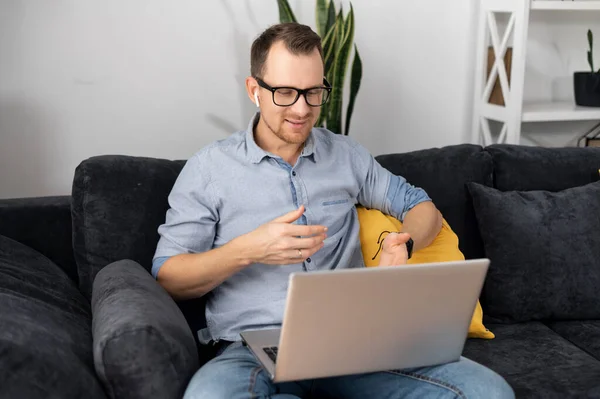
(252, 89)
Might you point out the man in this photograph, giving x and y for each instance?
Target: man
(278, 198)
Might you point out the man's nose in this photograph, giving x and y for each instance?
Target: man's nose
(301, 107)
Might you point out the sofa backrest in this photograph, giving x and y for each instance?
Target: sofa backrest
(43, 224)
(539, 227)
(443, 174)
(117, 204)
(524, 168)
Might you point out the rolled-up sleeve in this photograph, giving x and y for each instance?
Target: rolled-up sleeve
(383, 190)
(192, 215)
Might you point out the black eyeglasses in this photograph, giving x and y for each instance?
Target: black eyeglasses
(380, 242)
(284, 96)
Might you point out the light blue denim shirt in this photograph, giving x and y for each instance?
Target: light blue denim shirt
(232, 186)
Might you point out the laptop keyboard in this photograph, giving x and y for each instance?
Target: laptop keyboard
(271, 352)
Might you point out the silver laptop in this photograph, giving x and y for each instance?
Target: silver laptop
(371, 319)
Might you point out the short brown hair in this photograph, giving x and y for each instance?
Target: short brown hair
(298, 38)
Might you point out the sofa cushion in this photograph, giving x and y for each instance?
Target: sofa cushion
(118, 202)
(46, 338)
(374, 225)
(443, 172)
(537, 362)
(143, 347)
(585, 334)
(526, 168)
(544, 251)
(43, 224)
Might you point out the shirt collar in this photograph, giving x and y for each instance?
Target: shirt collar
(256, 154)
(309, 147)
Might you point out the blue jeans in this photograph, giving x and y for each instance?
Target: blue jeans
(236, 374)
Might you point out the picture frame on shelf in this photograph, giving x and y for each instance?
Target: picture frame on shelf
(591, 138)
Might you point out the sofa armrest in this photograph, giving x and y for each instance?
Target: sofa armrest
(44, 224)
(143, 346)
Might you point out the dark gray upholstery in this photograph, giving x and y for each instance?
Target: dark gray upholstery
(443, 173)
(43, 224)
(527, 168)
(537, 362)
(45, 331)
(585, 334)
(544, 251)
(117, 204)
(143, 347)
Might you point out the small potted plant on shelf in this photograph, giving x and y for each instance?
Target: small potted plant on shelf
(587, 84)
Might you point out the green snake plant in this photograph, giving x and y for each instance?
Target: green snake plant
(337, 41)
(590, 53)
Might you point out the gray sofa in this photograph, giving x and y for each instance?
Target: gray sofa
(82, 317)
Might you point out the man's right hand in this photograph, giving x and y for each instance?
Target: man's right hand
(279, 242)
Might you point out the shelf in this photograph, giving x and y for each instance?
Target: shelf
(515, 36)
(558, 111)
(494, 112)
(565, 5)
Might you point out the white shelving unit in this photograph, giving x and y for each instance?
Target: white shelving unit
(565, 5)
(515, 111)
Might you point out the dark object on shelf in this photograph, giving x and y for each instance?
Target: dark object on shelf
(587, 89)
(587, 84)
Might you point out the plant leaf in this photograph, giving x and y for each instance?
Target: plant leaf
(285, 12)
(355, 78)
(328, 38)
(331, 45)
(328, 45)
(340, 23)
(330, 61)
(340, 64)
(590, 37)
(322, 14)
(330, 15)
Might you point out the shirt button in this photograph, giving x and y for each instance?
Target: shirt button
(308, 260)
(293, 173)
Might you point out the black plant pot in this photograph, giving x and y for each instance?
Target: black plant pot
(587, 89)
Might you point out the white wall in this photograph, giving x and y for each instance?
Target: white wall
(556, 47)
(162, 79)
(157, 78)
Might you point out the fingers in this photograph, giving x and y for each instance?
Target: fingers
(394, 251)
(397, 238)
(301, 254)
(290, 217)
(300, 243)
(304, 231)
(297, 230)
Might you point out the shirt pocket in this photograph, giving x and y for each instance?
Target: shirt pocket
(334, 213)
(336, 201)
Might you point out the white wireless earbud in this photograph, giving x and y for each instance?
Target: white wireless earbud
(256, 98)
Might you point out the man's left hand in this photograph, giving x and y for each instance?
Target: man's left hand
(394, 251)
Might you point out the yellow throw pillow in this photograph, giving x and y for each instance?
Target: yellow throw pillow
(373, 225)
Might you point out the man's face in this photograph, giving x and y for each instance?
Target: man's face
(291, 124)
